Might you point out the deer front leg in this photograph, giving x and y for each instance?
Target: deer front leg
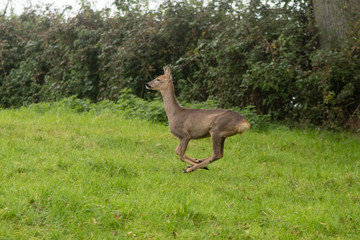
(218, 152)
(181, 149)
(194, 160)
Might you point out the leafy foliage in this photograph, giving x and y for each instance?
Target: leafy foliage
(131, 107)
(264, 55)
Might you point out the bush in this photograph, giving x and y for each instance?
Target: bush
(262, 57)
(134, 107)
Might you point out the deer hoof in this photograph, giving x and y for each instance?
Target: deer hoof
(199, 161)
(188, 166)
(185, 171)
(206, 168)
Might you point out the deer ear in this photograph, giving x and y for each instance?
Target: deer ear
(167, 71)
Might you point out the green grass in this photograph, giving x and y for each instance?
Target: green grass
(65, 175)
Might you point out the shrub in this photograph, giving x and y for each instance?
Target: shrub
(262, 57)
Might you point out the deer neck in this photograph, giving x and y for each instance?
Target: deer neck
(170, 103)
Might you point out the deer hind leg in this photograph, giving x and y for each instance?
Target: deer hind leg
(181, 149)
(218, 152)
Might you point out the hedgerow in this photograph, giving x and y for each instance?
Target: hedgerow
(261, 56)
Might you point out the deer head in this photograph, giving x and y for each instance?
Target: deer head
(162, 82)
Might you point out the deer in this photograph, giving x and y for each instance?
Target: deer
(187, 124)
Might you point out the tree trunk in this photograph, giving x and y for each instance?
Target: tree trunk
(334, 19)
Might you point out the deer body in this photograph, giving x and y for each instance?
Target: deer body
(187, 124)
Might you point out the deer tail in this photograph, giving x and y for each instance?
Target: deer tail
(243, 126)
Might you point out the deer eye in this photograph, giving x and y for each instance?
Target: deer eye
(158, 80)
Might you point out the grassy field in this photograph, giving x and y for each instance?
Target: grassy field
(65, 175)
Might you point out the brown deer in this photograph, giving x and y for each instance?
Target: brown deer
(187, 124)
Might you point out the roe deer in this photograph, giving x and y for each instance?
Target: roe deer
(187, 124)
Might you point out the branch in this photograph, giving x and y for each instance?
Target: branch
(2, 64)
(6, 7)
(269, 46)
(352, 115)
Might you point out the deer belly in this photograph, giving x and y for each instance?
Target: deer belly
(193, 133)
(199, 133)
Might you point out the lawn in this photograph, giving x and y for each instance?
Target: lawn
(68, 175)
